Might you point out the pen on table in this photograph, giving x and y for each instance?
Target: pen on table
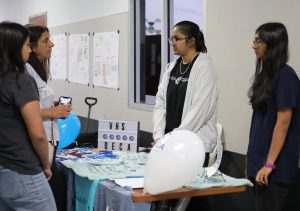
(135, 177)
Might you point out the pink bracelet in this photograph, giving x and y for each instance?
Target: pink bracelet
(270, 165)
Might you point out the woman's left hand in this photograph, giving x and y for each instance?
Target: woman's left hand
(61, 111)
(262, 176)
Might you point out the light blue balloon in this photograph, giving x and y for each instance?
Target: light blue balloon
(69, 129)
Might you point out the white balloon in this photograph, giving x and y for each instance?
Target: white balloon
(173, 161)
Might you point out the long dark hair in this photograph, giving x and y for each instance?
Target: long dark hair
(41, 67)
(12, 39)
(275, 36)
(190, 29)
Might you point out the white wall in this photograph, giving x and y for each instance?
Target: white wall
(60, 12)
(230, 30)
(231, 25)
(112, 103)
(8, 10)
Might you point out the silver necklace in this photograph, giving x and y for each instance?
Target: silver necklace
(188, 65)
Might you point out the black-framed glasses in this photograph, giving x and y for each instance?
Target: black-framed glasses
(176, 39)
(257, 42)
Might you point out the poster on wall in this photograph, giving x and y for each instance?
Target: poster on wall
(58, 61)
(118, 135)
(106, 60)
(38, 19)
(78, 57)
(192, 10)
(153, 17)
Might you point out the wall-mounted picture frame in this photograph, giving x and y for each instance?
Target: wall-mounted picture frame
(39, 19)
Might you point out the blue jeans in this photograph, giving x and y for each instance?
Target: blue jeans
(25, 192)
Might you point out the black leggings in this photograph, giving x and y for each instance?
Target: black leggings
(58, 185)
(271, 197)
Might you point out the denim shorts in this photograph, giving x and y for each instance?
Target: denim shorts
(25, 192)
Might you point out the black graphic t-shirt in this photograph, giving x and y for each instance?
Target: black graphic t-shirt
(176, 91)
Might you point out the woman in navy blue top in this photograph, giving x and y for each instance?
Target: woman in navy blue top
(273, 151)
